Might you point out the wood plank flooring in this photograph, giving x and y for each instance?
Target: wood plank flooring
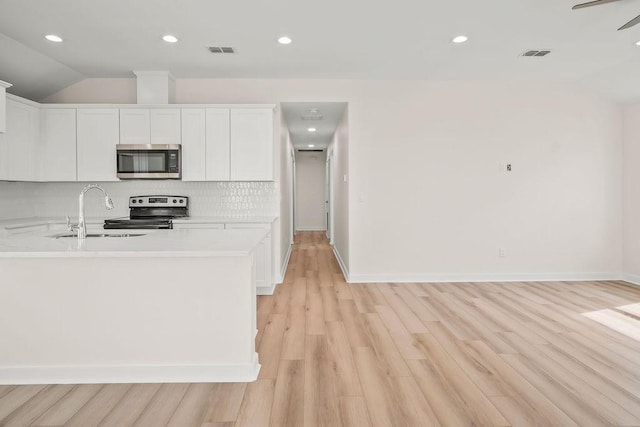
(443, 354)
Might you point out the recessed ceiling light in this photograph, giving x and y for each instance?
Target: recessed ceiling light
(460, 39)
(638, 43)
(312, 129)
(284, 40)
(53, 38)
(311, 145)
(170, 39)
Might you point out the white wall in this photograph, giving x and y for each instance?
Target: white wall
(339, 149)
(631, 221)
(426, 200)
(285, 222)
(17, 200)
(310, 197)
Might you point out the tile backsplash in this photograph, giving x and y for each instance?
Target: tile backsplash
(233, 199)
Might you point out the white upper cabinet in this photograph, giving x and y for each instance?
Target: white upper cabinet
(98, 134)
(135, 127)
(3, 105)
(251, 133)
(20, 144)
(150, 126)
(222, 144)
(218, 149)
(58, 144)
(165, 126)
(194, 162)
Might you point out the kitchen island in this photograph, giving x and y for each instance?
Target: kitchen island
(166, 306)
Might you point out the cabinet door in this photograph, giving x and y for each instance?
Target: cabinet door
(97, 133)
(217, 151)
(3, 107)
(194, 161)
(252, 144)
(165, 126)
(21, 142)
(135, 126)
(58, 144)
(264, 260)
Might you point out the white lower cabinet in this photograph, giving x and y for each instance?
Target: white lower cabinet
(264, 252)
(98, 133)
(264, 258)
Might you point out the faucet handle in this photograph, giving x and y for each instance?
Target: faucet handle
(71, 227)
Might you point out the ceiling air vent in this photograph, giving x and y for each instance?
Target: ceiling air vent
(311, 114)
(311, 150)
(311, 117)
(216, 49)
(536, 53)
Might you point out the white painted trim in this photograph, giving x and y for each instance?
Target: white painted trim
(631, 278)
(479, 277)
(130, 374)
(285, 264)
(311, 228)
(343, 267)
(266, 290)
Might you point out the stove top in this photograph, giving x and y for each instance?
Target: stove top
(151, 212)
(141, 223)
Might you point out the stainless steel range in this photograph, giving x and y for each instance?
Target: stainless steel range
(147, 212)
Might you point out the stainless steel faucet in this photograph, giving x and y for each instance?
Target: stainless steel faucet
(82, 226)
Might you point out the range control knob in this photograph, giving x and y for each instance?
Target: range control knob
(133, 201)
(139, 200)
(181, 200)
(175, 201)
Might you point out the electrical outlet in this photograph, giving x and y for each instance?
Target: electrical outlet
(508, 167)
(502, 253)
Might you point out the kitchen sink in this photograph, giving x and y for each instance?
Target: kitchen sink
(63, 235)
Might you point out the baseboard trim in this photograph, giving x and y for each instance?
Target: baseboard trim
(285, 264)
(17, 375)
(266, 290)
(631, 278)
(481, 277)
(343, 267)
(311, 228)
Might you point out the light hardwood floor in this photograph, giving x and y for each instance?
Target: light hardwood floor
(455, 354)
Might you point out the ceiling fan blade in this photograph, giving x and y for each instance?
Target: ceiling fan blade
(631, 23)
(592, 3)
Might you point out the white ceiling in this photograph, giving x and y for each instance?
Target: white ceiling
(323, 116)
(404, 39)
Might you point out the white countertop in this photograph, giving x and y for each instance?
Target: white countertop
(16, 223)
(154, 243)
(225, 220)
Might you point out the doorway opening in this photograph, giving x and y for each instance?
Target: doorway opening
(312, 128)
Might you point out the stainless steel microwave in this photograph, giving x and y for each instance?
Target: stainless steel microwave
(149, 161)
